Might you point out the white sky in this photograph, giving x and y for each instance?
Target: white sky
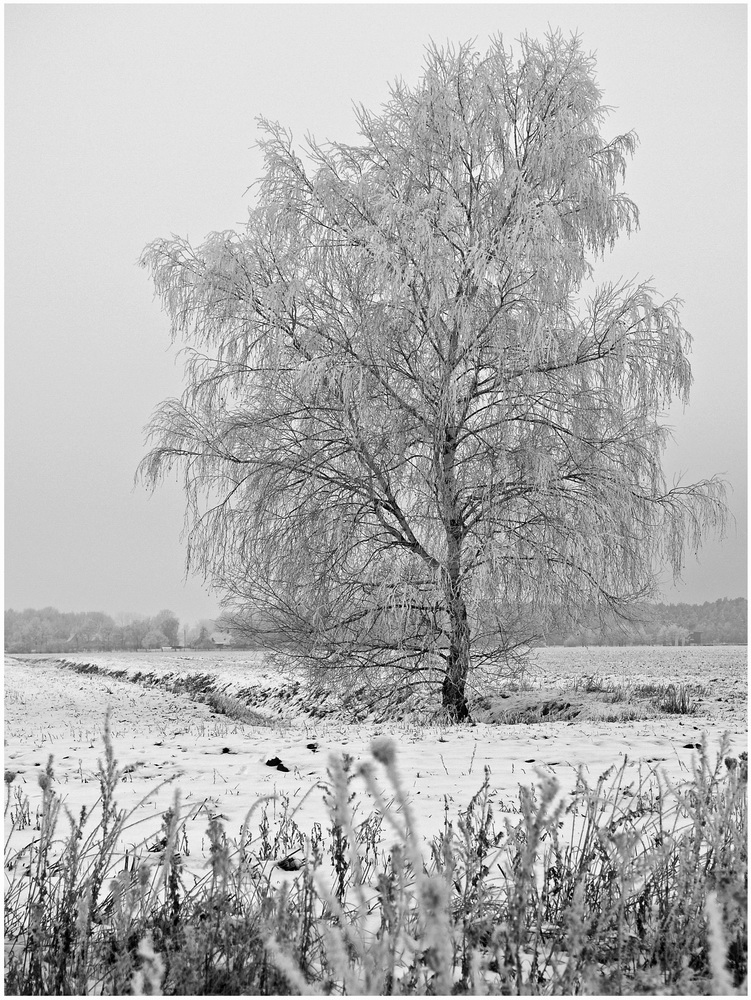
(129, 122)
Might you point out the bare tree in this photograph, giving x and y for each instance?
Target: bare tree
(168, 624)
(404, 436)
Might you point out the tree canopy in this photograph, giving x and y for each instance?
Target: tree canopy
(405, 435)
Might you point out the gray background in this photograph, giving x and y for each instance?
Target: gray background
(126, 123)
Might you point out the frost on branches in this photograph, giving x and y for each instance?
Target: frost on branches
(407, 443)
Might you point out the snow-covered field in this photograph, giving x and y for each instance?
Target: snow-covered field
(166, 741)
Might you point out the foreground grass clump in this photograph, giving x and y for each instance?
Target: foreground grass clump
(617, 889)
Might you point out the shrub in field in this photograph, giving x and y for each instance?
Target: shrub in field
(621, 888)
(677, 700)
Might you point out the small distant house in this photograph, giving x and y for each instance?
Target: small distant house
(221, 640)
(694, 638)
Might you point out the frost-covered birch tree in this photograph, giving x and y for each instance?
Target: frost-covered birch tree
(405, 433)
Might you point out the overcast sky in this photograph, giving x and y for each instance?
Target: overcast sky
(129, 122)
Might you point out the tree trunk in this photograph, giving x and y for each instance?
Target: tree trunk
(454, 698)
(457, 669)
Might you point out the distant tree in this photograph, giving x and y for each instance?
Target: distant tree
(168, 623)
(92, 629)
(135, 632)
(154, 639)
(203, 641)
(204, 626)
(403, 435)
(675, 635)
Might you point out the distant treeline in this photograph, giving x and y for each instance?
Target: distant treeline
(723, 621)
(53, 631)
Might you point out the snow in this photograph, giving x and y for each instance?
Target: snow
(166, 741)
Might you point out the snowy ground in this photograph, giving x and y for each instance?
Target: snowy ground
(166, 741)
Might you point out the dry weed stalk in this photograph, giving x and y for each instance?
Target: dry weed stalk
(625, 886)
